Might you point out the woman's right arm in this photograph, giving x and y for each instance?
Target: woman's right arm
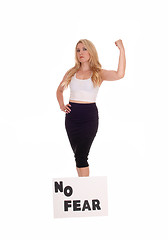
(59, 94)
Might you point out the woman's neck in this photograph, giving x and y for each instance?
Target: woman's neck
(85, 67)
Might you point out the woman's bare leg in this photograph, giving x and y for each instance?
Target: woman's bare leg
(83, 172)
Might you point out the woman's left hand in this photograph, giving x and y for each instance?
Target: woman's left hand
(119, 44)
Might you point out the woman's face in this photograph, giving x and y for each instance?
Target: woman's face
(82, 53)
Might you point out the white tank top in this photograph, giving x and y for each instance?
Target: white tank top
(83, 89)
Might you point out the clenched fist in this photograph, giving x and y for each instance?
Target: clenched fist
(119, 44)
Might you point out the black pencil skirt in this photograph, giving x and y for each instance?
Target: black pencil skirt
(81, 125)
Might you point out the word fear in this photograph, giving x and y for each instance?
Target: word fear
(76, 205)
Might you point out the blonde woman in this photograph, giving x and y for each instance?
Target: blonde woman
(81, 113)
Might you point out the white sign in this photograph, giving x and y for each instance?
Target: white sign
(80, 197)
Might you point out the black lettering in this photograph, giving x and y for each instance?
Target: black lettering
(86, 205)
(59, 186)
(67, 204)
(76, 205)
(96, 204)
(68, 191)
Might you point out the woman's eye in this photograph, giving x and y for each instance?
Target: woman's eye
(84, 49)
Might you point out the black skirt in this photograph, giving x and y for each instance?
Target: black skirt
(81, 126)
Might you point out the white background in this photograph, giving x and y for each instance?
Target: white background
(37, 46)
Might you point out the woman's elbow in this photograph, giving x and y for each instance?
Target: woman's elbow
(121, 75)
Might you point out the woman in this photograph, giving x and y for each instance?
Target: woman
(85, 79)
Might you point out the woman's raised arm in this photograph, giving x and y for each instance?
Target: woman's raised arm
(111, 75)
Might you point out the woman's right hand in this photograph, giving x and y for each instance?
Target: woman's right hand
(66, 109)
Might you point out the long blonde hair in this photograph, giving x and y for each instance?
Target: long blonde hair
(93, 61)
